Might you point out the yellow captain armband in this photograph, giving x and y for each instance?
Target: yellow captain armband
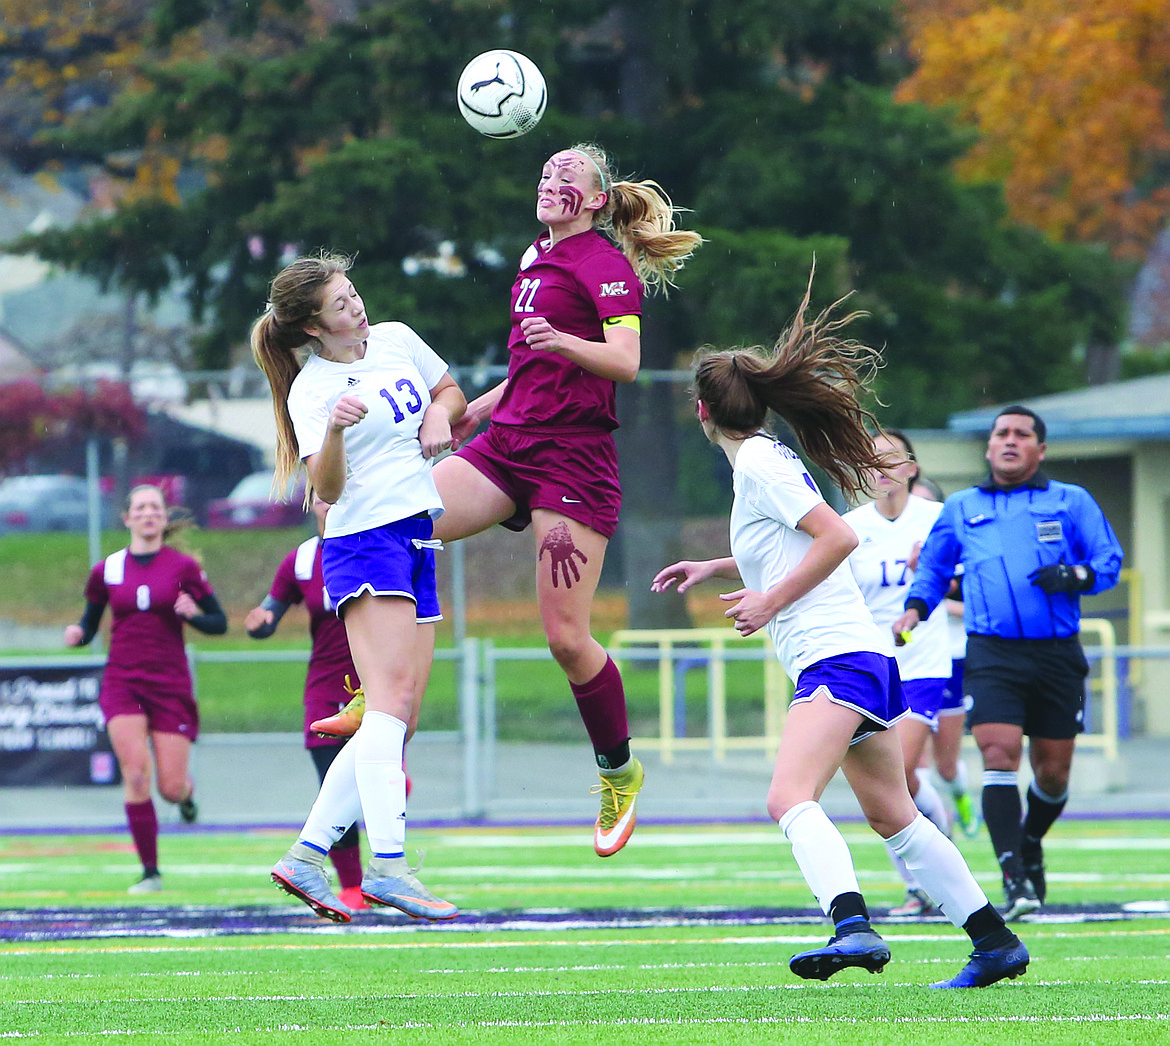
(633, 322)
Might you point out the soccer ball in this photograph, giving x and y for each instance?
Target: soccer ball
(502, 94)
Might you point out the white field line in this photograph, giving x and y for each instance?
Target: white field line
(489, 875)
(720, 839)
(1030, 1019)
(659, 1022)
(538, 993)
(242, 946)
(508, 971)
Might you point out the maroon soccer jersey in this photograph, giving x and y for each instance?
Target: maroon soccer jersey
(146, 637)
(575, 284)
(299, 579)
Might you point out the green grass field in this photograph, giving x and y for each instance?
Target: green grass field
(240, 564)
(533, 699)
(639, 978)
(556, 946)
(266, 696)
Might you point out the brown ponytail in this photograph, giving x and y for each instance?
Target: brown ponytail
(814, 379)
(294, 298)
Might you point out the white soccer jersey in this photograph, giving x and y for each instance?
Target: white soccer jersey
(958, 636)
(879, 564)
(773, 493)
(387, 478)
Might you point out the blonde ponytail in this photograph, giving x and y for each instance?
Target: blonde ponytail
(641, 218)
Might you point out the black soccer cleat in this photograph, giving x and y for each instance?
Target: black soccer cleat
(865, 949)
(1019, 898)
(986, 968)
(1032, 856)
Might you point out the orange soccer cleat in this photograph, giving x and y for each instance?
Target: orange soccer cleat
(619, 794)
(352, 898)
(346, 722)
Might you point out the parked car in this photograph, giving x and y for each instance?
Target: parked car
(251, 504)
(34, 504)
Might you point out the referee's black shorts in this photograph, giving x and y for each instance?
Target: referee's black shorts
(1035, 684)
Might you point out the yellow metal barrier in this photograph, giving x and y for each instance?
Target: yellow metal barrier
(1132, 580)
(675, 644)
(1105, 688)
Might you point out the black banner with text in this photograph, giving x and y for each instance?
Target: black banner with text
(51, 729)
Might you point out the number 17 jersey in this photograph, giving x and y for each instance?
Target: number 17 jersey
(880, 565)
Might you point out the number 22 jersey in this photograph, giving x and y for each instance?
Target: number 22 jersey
(576, 284)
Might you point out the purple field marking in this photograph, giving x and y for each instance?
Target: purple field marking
(52, 924)
(447, 824)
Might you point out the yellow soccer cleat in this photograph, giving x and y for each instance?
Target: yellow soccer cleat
(968, 814)
(346, 722)
(619, 794)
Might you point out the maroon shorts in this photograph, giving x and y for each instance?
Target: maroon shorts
(167, 711)
(570, 471)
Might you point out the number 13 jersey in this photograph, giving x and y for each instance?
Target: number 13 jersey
(387, 478)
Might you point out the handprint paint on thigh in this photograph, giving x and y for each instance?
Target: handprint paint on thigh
(562, 552)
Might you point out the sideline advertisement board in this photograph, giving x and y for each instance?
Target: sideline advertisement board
(51, 728)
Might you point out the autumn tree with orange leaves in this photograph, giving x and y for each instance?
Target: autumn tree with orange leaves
(781, 134)
(1070, 103)
(64, 59)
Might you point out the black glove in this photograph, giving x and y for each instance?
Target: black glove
(1062, 577)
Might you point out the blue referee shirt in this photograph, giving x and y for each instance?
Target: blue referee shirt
(1000, 536)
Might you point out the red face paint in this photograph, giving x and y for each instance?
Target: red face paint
(569, 161)
(571, 200)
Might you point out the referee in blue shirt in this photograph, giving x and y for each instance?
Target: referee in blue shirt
(1029, 547)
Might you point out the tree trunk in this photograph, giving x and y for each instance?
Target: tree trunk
(121, 460)
(650, 535)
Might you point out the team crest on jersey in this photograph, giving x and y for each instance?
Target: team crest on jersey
(1050, 530)
(612, 290)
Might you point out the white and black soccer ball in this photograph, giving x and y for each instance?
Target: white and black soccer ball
(502, 94)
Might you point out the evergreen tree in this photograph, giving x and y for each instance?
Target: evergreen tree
(779, 130)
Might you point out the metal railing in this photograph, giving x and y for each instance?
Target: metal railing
(676, 651)
(1102, 687)
(679, 649)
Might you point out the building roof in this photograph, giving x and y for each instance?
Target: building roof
(250, 420)
(39, 302)
(1135, 409)
(14, 364)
